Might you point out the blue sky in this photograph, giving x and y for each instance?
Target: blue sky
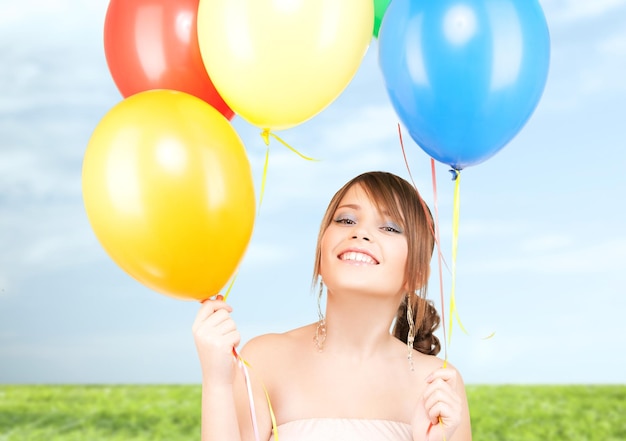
(542, 251)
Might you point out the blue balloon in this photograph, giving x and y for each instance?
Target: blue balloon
(464, 76)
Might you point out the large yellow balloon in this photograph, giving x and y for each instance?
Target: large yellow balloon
(278, 63)
(168, 191)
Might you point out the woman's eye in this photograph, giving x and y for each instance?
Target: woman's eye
(392, 229)
(344, 220)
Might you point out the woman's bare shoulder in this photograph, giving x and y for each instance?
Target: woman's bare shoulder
(272, 346)
(429, 363)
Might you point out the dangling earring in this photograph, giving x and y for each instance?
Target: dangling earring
(320, 331)
(411, 334)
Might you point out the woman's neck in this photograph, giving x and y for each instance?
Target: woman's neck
(358, 325)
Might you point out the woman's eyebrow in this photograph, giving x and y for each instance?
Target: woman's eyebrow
(352, 206)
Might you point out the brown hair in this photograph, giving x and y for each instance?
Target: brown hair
(405, 206)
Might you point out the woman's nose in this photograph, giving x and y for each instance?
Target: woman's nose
(363, 236)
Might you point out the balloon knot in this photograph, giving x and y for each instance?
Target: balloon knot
(265, 134)
(455, 173)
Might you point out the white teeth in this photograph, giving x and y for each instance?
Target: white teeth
(357, 257)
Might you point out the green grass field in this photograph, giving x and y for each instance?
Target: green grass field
(153, 413)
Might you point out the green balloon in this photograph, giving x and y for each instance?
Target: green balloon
(380, 6)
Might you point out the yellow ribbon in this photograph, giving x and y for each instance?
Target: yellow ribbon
(265, 134)
(230, 286)
(454, 313)
(267, 398)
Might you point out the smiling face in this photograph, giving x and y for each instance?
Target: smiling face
(371, 206)
(364, 247)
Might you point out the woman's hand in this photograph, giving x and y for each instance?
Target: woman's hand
(440, 410)
(216, 336)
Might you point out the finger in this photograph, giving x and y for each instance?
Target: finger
(443, 404)
(441, 386)
(234, 338)
(217, 323)
(224, 335)
(228, 340)
(448, 375)
(444, 373)
(217, 297)
(210, 306)
(439, 413)
(435, 396)
(208, 309)
(438, 385)
(221, 325)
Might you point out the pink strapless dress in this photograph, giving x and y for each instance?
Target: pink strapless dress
(343, 429)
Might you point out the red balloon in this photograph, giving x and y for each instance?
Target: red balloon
(153, 44)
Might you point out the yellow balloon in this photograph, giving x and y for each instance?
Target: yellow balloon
(277, 63)
(168, 191)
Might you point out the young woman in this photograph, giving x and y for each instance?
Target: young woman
(346, 377)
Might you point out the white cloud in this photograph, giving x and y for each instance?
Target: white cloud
(266, 254)
(614, 45)
(471, 228)
(368, 126)
(569, 11)
(67, 15)
(607, 257)
(546, 242)
(603, 74)
(595, 29)
(66, 249)
(5, 287)
(114, 356)
(43, 237)
(25, 177)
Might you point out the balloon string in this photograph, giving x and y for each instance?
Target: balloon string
(265, 134)
(424, 207)
(406, 162)
(244, 368)
(439, 258)
(439, 265)
(456, 215)
(434, 229)
(230, 286)
(244, 364)
(264, 177)
(454, 313)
